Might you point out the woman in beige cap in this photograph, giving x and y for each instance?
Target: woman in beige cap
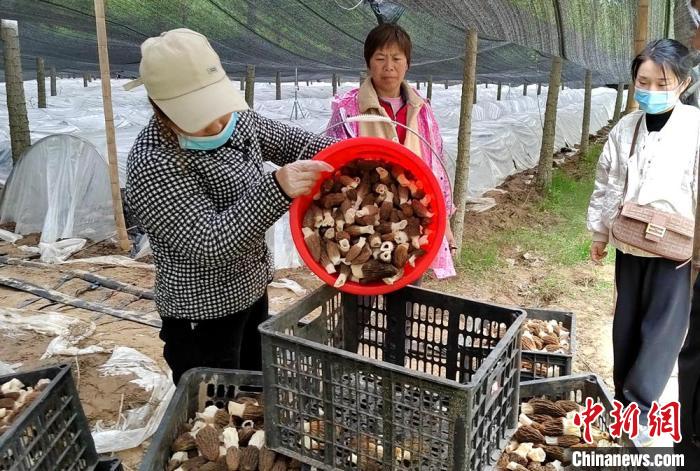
(196, 183)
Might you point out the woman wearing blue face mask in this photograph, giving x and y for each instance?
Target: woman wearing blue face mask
(649, 163)
(196, 183)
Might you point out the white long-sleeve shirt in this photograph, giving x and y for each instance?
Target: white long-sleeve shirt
(662, 171)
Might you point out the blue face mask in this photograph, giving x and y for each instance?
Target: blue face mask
(209, 142)
(655, 102)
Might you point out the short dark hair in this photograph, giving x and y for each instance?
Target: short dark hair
(669, 54)
(384, 34)
(164, 123)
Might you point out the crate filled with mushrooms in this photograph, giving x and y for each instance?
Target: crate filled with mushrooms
(373, 225)
(215, 422)
(546, 433)
(42, 423)
(548, 342)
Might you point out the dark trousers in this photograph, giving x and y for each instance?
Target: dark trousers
(651, 318)
(231, 342)
(689, 386)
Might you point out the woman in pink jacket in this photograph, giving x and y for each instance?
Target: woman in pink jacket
(386, 93)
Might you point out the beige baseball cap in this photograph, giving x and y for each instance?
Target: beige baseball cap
(184, 77)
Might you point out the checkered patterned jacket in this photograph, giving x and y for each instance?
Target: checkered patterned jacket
(206, 213)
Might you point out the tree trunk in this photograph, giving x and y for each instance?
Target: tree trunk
(53, 81)
(278, 86)
(525, 89)
(447, 84)
(544, 169)
(539, 89)
(14, 86)
(334, 80)
(586, 123)
(641, 33)
(418, 85)
(41, 82)
(474, 100)
(85, 80)
(250, 85)
(464, 137)
(103, 54)
(618, 102)
(430, 88)
(498, 91)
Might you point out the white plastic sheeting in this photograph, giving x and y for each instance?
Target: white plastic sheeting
(60, 187)
(506, 134)
(68, 331)
(136, 425)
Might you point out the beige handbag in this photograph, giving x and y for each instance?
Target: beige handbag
(658, 232)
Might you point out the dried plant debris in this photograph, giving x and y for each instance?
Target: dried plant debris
(369, 223)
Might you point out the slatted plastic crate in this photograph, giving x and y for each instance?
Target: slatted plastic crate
(432, 377)
(198, 388)
(52, 433)
(578, 388)
(109, 465)
(536, 365)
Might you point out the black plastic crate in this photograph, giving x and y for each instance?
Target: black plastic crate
(575, 388)
(109, 465)
(416, 372)
(198, 388)
(536, 365)
(52, 433)
(578, 388)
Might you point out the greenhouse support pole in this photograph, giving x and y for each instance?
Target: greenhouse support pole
(53, 81)
(334, 80)
(498, 91)
(278, 86)
(14, 87)
(641, 33)
(464, 137)
(429, 93)
(122, 236)
(618, 102)
(41, 82)
(250, 85)
(586, 124)
(544, 168)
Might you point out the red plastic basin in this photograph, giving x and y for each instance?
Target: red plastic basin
(373, 148)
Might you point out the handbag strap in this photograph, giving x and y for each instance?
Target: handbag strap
(629, 157)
